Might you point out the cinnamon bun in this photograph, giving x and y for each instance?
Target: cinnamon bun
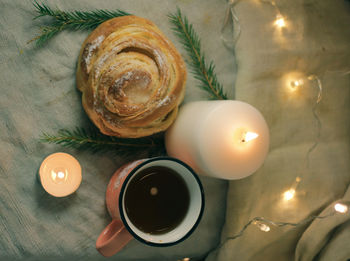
(131, 76)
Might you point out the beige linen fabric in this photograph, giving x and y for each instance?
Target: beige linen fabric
(316, 40)
(38, 94)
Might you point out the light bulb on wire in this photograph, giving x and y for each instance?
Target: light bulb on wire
(264, 227)
(294, 84)
(280, 21)
(294, 81)
(341, 208)
(289, 194)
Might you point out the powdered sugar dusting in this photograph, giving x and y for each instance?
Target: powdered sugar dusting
(122, 79)
(100, 63)
(93, 46)
(167, 100)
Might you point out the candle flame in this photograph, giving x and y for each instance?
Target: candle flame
(248, 136)
(59, 176)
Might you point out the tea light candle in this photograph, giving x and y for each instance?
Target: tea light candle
(222, 139)
(60, 174)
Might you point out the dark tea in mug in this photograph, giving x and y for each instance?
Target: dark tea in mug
(156, 200)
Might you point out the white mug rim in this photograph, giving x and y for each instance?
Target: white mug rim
(122, 192)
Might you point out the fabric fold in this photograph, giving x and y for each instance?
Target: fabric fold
(333, 233)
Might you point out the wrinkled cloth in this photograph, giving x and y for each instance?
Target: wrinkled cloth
(315, 41)
(333, 234)
(38, 94)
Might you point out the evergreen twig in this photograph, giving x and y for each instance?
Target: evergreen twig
(201, 70)
(94, 141)
(74, 20)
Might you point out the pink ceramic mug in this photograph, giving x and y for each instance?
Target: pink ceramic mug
(121, 230)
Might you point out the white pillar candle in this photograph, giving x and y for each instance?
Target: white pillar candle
(222, 139)
(60, 174)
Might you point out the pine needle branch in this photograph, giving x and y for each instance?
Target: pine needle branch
(88, 20)
(94, 141)
(202, 71)
(74, 20)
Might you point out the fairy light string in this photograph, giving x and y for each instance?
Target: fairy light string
(231, 15)
(262, 223)
(290, 193)
(316, 79)
(280, 20)
(265, 224)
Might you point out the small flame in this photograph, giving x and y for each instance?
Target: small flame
(60, 175)
(248, 136)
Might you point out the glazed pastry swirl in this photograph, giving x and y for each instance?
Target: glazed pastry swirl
(131, 76)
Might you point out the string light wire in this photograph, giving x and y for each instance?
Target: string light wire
(342, 72)
(273, 3)
(236, 25)
(262, 223)
(259, 221)
(300, 83)
(316, 79)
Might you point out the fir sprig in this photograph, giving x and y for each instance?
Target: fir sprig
(201, 70)
(94, 141)
(88, 20)
(74, 20)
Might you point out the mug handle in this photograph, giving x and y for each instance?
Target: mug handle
(113, 238)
